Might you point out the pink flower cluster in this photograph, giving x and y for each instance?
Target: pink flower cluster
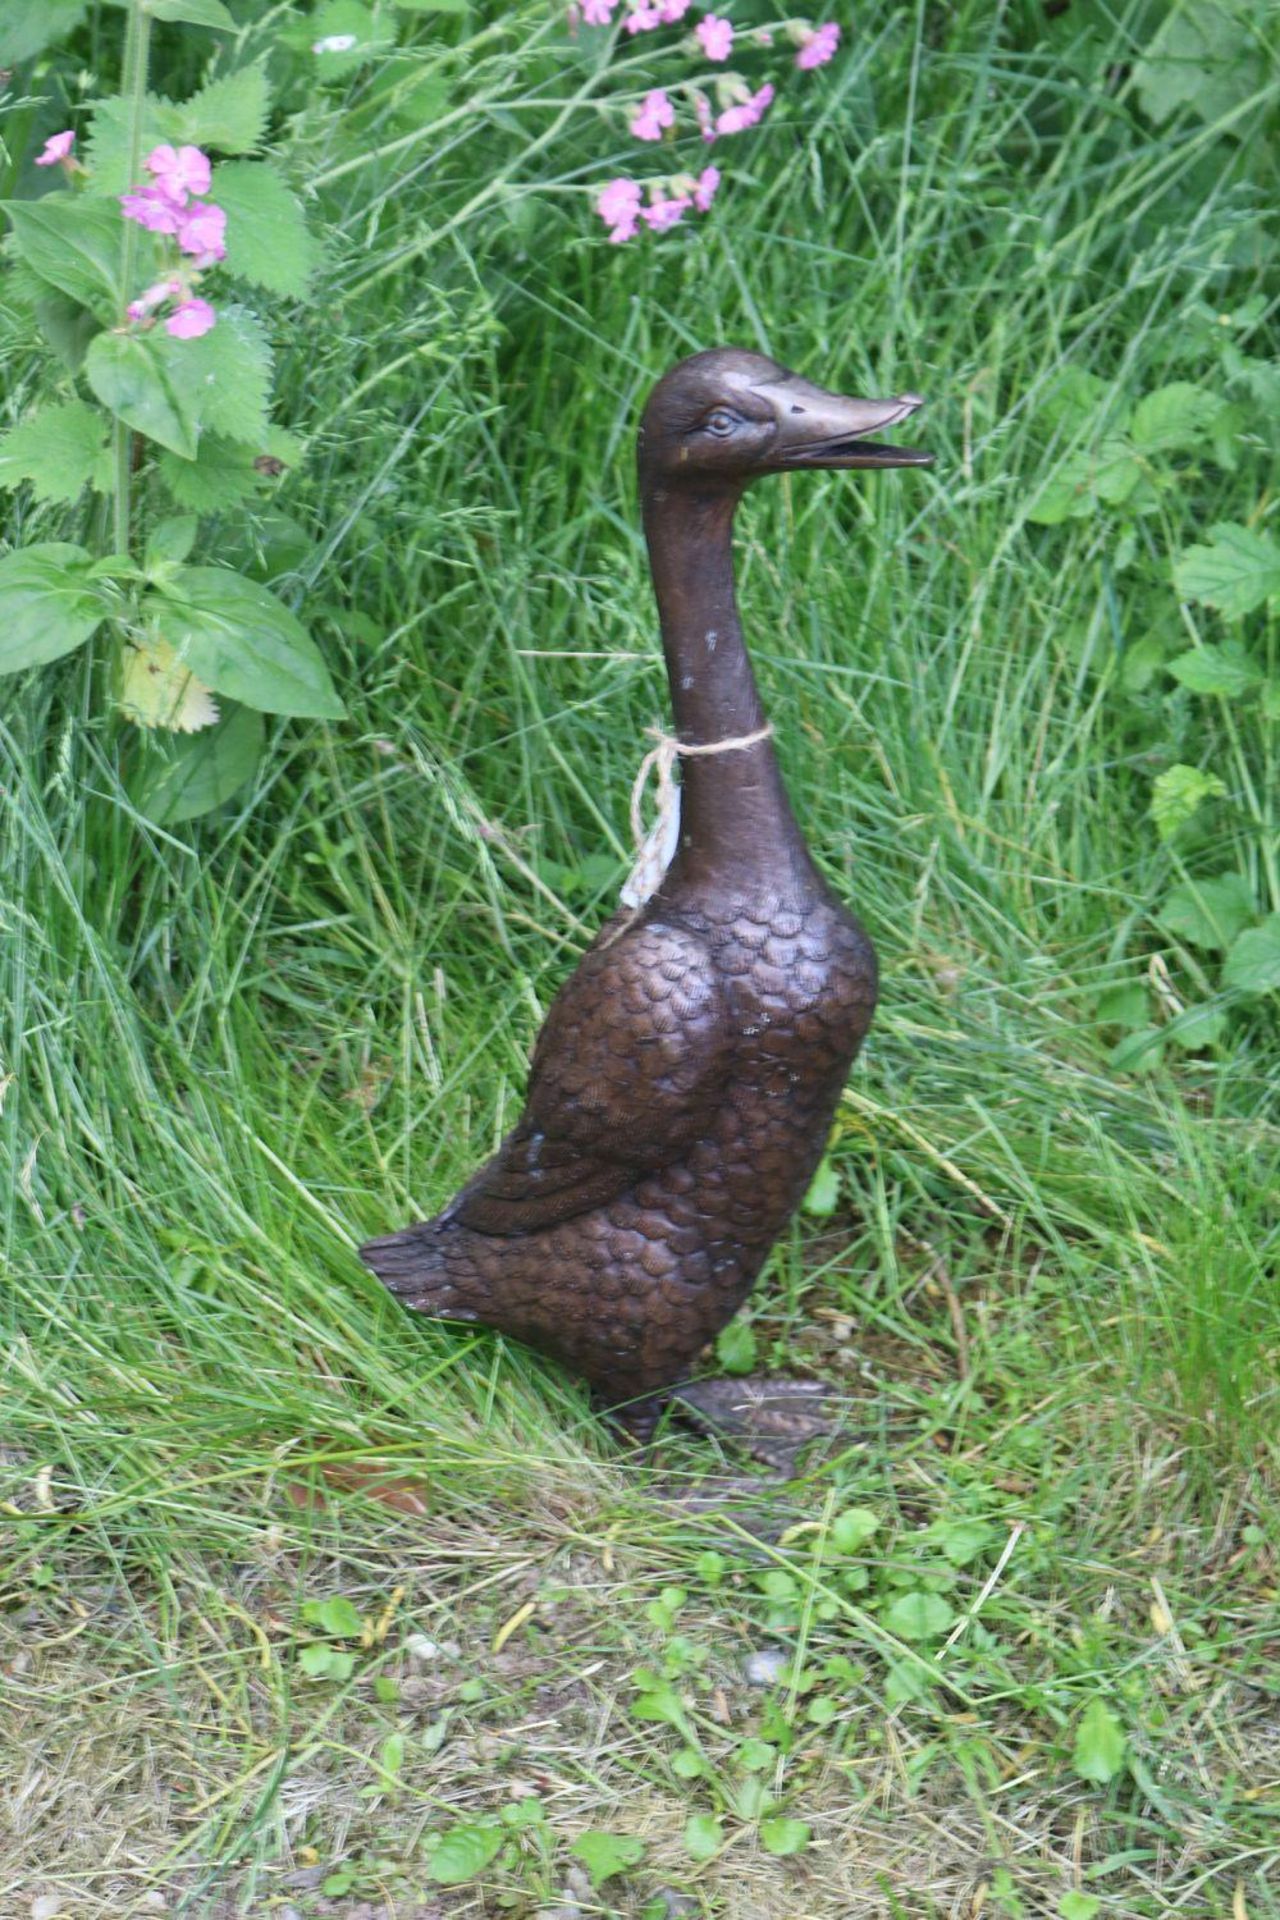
(622, 207)
(171, 205)
(621, 204)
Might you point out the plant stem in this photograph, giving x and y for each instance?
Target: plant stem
(137, 41)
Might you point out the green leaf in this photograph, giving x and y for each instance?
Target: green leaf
(128, 377)
(1108, 472)
(1253, 964)
(1196, 1027)
(171, 541)
(1177, 793)
(267, 237)
(109, 141)
(391, 1755)
(229, 115)
(851, 1530)
(1140, 1051)
(1073, 396)
(1235, 573)
(465, 1851)
(56, 449)
(27, 27)
(703, 1836)
(1204, 55)
(66, 325)
(918, 1616)
(961, 1540)
(73, 242)
(339, 20)
(1099, 1747)
(824, 1190)
(48, 604)
(782, 1837)
(1078, 1906)
(1227, 669)
(221, 475)
(756, 1755)
(335, 1615)
(223, 379)
(605, 1855)
(314, 1661)
(736, 1347)
(193, 13)
(240, 640)
(1124, 1005)
(1174, 417)
(1208, 913)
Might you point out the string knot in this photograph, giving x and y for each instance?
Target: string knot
(656, 848)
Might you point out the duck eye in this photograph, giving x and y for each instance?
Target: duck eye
(720, 422)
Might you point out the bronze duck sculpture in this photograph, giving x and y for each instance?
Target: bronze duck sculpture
(684, 1081)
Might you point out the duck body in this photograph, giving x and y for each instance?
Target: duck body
(683, 1084)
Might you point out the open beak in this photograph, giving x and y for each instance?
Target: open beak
(819, 429)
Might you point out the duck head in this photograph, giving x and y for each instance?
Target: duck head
(724, 418)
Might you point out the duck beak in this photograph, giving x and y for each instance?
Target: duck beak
(819, 429)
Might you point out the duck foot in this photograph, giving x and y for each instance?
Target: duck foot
(774, 1419)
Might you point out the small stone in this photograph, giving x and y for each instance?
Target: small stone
(419, 1646)
(765, 1667)
(46, 1906)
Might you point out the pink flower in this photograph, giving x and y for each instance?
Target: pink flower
(641, 19)
(154, 297)
(655, 113)
(747, 112)
(179, 173)
(190, 320)
(705, 191)
(598, 13)
(201, 229)
(669, 11)
(819, 47)
(715, 37)
(702, 107)
(151, 209)
(665, 213)
(618, 205)
(57, 147)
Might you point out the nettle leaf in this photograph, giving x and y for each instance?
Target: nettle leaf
(73, 242)
(1073, 395)
(1175, 417)
(1178, 793)
(49, 605)
(29, 26)
(108, 143)
(465, 1851)
(918, 1616)
(1108, 473)
(57, 450)
(1253, 964)
(1227, 669)
(224, 377)
(129, 377)
(781, 1837)
(267, 238)
(1204, 55)
(221, 475)
(605, 1855)
(1235, 574)
(1099, 1746)
(241, 641)
(1209, 913)
(230, 114)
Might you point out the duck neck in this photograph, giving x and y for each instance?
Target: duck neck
(734, 807)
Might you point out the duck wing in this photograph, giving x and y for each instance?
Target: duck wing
(628, 1071)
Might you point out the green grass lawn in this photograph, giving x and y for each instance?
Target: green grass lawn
(310, 1608)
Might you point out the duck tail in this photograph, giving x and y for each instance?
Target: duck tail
(416, 1265)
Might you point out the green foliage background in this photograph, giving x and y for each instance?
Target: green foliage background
(1027, 705)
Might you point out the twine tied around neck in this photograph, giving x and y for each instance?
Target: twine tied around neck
(655, 849)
